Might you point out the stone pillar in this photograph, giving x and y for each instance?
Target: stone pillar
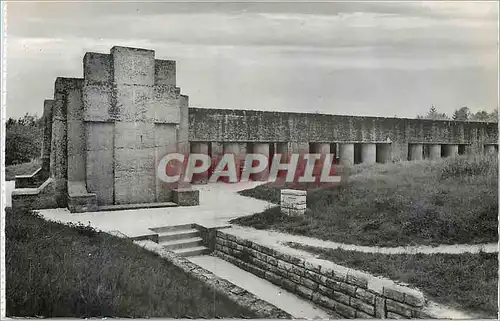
(59, 156)
(285, 150)
(200, 148)
(368, 153)
(490, 149)
(76, 134)
(346, 154)
(383, 153)
(98, 107)
(239, 157)
(261, 149)
(321, 148)
(416, 151)
(450, 150)
(293, 202)
(434, 151)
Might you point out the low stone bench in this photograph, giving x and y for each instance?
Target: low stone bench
(79, 199)
(293, 202)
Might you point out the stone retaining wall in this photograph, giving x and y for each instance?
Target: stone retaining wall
(344, 291)
(240, 296)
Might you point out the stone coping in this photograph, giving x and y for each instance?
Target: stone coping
(28, 176)
(31, 190)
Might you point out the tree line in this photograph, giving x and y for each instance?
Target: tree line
(23, 139)
(462, 114)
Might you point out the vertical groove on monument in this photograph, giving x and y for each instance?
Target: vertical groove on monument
(47, 137)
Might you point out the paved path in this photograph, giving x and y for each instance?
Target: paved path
(289, 302)
(219, 203)
(281, 238)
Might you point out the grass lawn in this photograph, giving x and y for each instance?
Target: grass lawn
(454, 200)
(21, 169)
(54, 270)
(466, 281)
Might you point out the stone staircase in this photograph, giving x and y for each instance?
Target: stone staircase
(183, 240)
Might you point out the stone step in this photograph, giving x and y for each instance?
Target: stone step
(177, 235)
(182, 243)
(172, 228)
(192, 251)
(121, 207)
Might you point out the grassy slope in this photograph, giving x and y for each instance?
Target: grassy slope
(21, 169)
(449, 201)
(467, 281)
(58, 271)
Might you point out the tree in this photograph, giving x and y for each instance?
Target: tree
(23, 139)
(480, 116)
(462, 114)
(434, 114)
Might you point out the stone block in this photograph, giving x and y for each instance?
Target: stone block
(130, 161)
(164, 105)
(97, 68)
(344, 310)
(399, 308)
(79, 200)
(365, 295)
(134, 135)
(100, 178)
(99, 136)
(392, 315)
(380, 308)
(97, 102)
(165, 72)
(309, 283)
(416, 300)
(132, 102)
(133, 66)
(134, 187)
(362, 315)
(363, 306)
(394, 294)
(357, 280)
(186, 197)
(293, 202)
(340, 297)
(76, 150)
(304, 292)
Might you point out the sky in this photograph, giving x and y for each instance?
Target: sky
(350, 58)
